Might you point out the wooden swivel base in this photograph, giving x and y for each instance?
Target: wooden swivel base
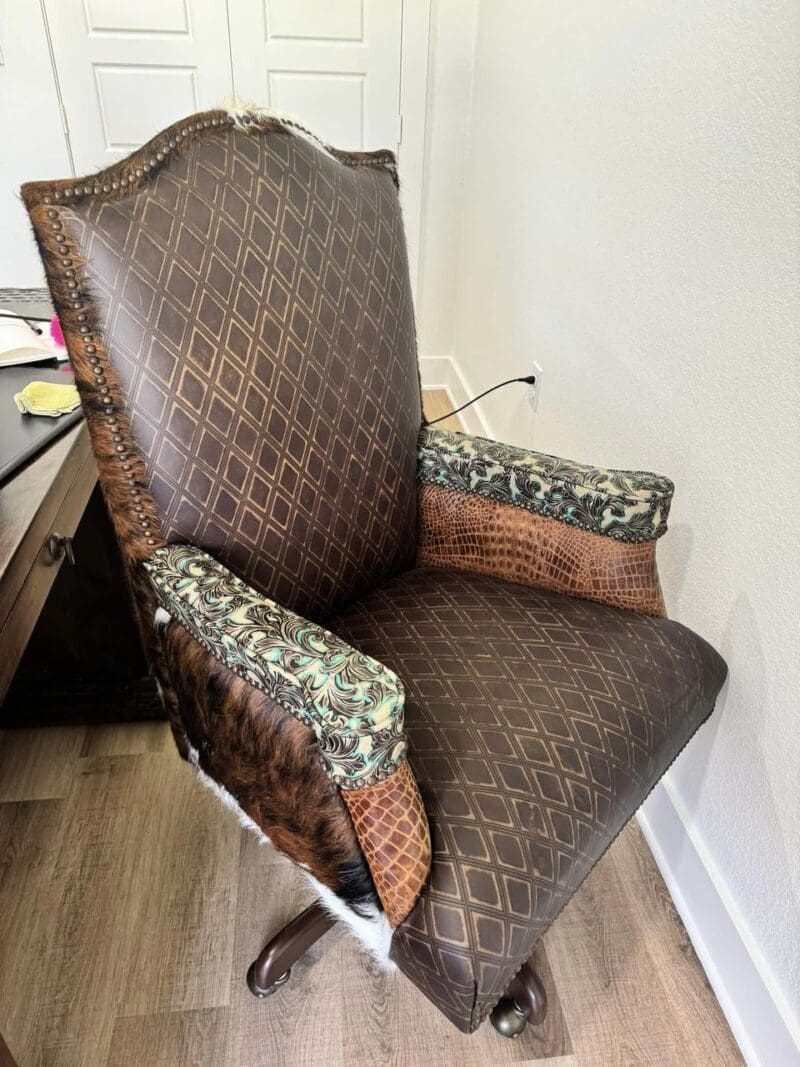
(272, 968)
(525, 1000)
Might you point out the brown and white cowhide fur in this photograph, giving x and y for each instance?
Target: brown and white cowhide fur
(264, 765)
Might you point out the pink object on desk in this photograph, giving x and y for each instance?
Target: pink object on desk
(55, 331)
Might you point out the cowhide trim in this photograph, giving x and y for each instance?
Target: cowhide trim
(353, 703)
(269, 763)
(462, 531)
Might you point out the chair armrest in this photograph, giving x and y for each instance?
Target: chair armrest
(541, 520)
(353, 704)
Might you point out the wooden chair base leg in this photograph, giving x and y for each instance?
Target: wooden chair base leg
(525, 1002)
(273, 966)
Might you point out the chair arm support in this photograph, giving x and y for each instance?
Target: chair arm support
(353, 704)
(540, 520)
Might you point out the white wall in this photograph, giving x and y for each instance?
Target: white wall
(453, 25)
(631, 221)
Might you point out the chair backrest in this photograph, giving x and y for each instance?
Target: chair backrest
(236, 303)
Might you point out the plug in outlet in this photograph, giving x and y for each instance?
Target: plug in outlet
(535, 390)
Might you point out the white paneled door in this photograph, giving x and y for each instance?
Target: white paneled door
(127, 68)
(333, 63)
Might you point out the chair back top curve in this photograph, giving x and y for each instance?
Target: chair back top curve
(237, 307)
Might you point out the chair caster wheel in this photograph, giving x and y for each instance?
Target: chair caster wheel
(256, 989)
(507, 1019)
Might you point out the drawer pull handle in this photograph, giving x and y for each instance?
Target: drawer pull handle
(60, 547)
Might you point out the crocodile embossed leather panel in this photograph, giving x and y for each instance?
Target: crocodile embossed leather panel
(537, 724)
(392, 829)
(472, 533)
(254, 301)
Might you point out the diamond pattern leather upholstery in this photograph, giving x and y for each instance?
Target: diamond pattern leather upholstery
(537, 725)
(255, 299)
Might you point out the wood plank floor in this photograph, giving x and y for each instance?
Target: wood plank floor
(438, 403)
(131, 904)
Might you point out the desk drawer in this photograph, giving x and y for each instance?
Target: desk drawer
(33, 568)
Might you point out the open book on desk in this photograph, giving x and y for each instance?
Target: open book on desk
(21, 343)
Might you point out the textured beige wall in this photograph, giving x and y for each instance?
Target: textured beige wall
(631, 221)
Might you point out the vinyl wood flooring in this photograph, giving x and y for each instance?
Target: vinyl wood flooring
(131, 904)
(438, 403)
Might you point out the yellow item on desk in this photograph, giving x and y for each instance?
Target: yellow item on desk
(46, 398)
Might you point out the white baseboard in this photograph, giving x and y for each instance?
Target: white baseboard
(766, 1036)
(442, 372)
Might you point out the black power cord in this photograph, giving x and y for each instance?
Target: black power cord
(29, 319)
(529, 379)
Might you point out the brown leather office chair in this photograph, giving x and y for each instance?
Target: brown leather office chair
(364, 628)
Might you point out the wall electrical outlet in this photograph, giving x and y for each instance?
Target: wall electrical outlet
(535, 390)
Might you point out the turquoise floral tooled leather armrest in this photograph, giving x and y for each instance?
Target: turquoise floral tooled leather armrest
(353, 704)
(539, 520)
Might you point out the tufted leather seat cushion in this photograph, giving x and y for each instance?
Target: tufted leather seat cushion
(537, 723)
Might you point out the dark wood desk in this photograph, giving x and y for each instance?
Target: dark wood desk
(69, 642)
(47, 496)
